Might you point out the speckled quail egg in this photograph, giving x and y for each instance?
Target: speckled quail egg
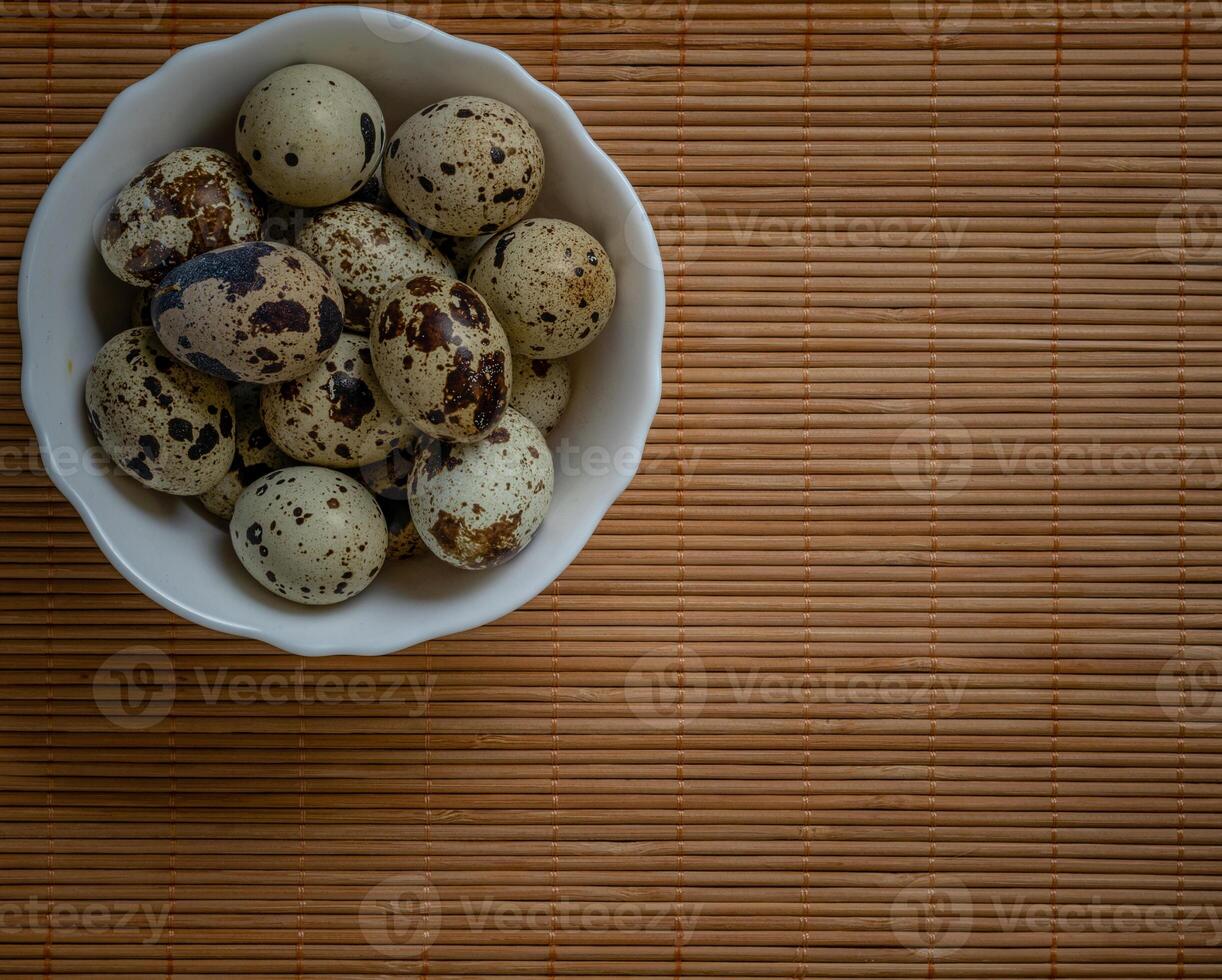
(387, 478)
(311, 135)
(284, 222)
(256, 312)
(403, 540)
(540, 390)
(256, 455)
(310, 535)
(476, 505)
(460, 251)
(166, 425)
(337, 415)
(465, 166)
(184, 204)
(369, 252)
(142, 308)
(442, 358)
(550, 284)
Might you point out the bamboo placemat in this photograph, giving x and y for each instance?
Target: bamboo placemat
(898, 659)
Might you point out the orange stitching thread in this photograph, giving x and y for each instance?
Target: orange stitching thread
(552, 949)
(1181, 439)
(807, 311)
(49, 666)
(682, 476)
(931, 768)
(301, 834)
(1056, 487)
(428, 809)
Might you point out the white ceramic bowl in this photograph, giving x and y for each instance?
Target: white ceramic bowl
(70, 305)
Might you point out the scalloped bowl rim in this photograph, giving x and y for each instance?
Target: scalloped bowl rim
(511, 597)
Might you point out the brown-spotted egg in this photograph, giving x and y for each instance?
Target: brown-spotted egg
(257, 312)
(540, 390)
(387, 480)
(465, 166)
(163, 423)
(337, 415)
(550, 284)
(442, 358)
(476, 505)
(181, 205)
(310, 135)
(309, 534)
(256, 455)
(369, 252)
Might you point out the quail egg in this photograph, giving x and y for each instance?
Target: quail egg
(284, 222)
(369, 252)
(550, 284)
(387, 480)
(540, 390)
(311, 135)
(256, 455)
(442, 358)
(460, 251)
(337, 415)
(309, 534)
(476, 505)
(465, 166)
(166, 425)
(256, 312)
(184, 204)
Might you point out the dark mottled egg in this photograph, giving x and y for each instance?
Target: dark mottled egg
(550, 284)
(256, 455)
(465, 166)
(284, 222)
(442, 358)
(310, 135)
(142, 308)
(310, 535)
(476, 505)
(540, 390)
(337, 415)
(184, 204)
(258, 312)
(403, 539)
(166, 425)
(387, 478)
(460, 251)
(370, 252)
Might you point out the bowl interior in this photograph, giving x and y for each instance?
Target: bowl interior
(70, 305)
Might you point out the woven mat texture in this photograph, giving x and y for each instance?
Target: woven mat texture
(900, 656)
